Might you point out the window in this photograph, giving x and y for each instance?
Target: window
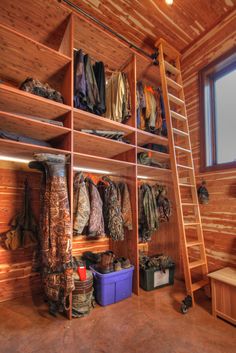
(218, 113)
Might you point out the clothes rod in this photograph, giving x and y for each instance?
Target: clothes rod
(109, 29)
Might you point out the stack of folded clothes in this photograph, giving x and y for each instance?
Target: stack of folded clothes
(5, 135)
(113, 135)
(41, 89)
(158, 262)
(144, 159)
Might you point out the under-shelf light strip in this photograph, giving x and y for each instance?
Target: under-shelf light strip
(26, 161)
(91, 170)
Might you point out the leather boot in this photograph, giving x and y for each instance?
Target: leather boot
(106, 264)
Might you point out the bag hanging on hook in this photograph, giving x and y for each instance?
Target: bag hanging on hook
(203, 194)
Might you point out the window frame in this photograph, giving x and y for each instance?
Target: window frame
(207, 76)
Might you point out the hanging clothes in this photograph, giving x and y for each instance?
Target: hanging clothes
(125, 202)
(93, 99)
(154, 208)
(55, 231)
(126, 111)
(81, 204)
(148, 213)
(115, 222)
(118, 98)
(99, 72)
(163, 204)
(150, 109)
(80, 100)
(96, 220)
(89, 84)
(24, 232)
(141, 105)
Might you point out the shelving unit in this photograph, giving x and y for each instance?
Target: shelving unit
(30, 51)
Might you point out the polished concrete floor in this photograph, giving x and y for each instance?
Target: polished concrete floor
(148, 323)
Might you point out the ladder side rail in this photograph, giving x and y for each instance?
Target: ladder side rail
(175, 176)
(192, 175)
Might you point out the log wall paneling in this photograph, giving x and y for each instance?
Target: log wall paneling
(218, 217)
(16, 276)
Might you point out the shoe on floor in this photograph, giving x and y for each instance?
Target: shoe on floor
(117, 265)
(125, 263)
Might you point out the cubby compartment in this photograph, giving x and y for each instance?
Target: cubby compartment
(102, 147)
(47, 23)
(32, 128)
(15, 101)
(117, 171)
(21, 57)
(86, 120)
(116, 58)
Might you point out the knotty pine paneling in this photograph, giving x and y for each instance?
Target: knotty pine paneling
(16, 276)
(219, 216)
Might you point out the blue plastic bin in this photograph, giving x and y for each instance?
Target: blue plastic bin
(112, 287)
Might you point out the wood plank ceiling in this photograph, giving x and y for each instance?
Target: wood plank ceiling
(144, 21)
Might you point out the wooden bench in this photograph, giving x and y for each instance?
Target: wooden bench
(223, 287)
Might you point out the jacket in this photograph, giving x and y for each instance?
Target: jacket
(81, 204)
(96, 220)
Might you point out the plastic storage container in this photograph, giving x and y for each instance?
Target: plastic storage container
(152, 279)
(112, 287)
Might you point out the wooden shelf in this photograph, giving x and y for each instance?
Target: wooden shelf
(43, 21)
(86, 120)
(14, 100)
(160, 156)
(25, 150)
(30, 127)
(22, 57)
(153, 172)
(110, 165)
(83, 243)
(144, 137)
(99, 146)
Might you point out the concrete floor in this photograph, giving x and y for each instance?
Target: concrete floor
(150, 323)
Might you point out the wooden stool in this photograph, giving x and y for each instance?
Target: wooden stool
(223, 288)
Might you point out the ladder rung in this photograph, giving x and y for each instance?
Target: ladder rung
(197, 263)
(189, 204)
(177, 116)
(197, 285)
(191, 223)
(171, 68)
(180, 132)
(187, 185)
(194, 243)
(184, 166)
(175, 99)
(182, 149)
(173, 84)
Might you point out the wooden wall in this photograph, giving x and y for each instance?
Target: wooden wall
(16, 265)
(219, 217)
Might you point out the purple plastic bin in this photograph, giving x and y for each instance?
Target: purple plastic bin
(112, 287)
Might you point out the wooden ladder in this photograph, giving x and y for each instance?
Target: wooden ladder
(182, 162)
